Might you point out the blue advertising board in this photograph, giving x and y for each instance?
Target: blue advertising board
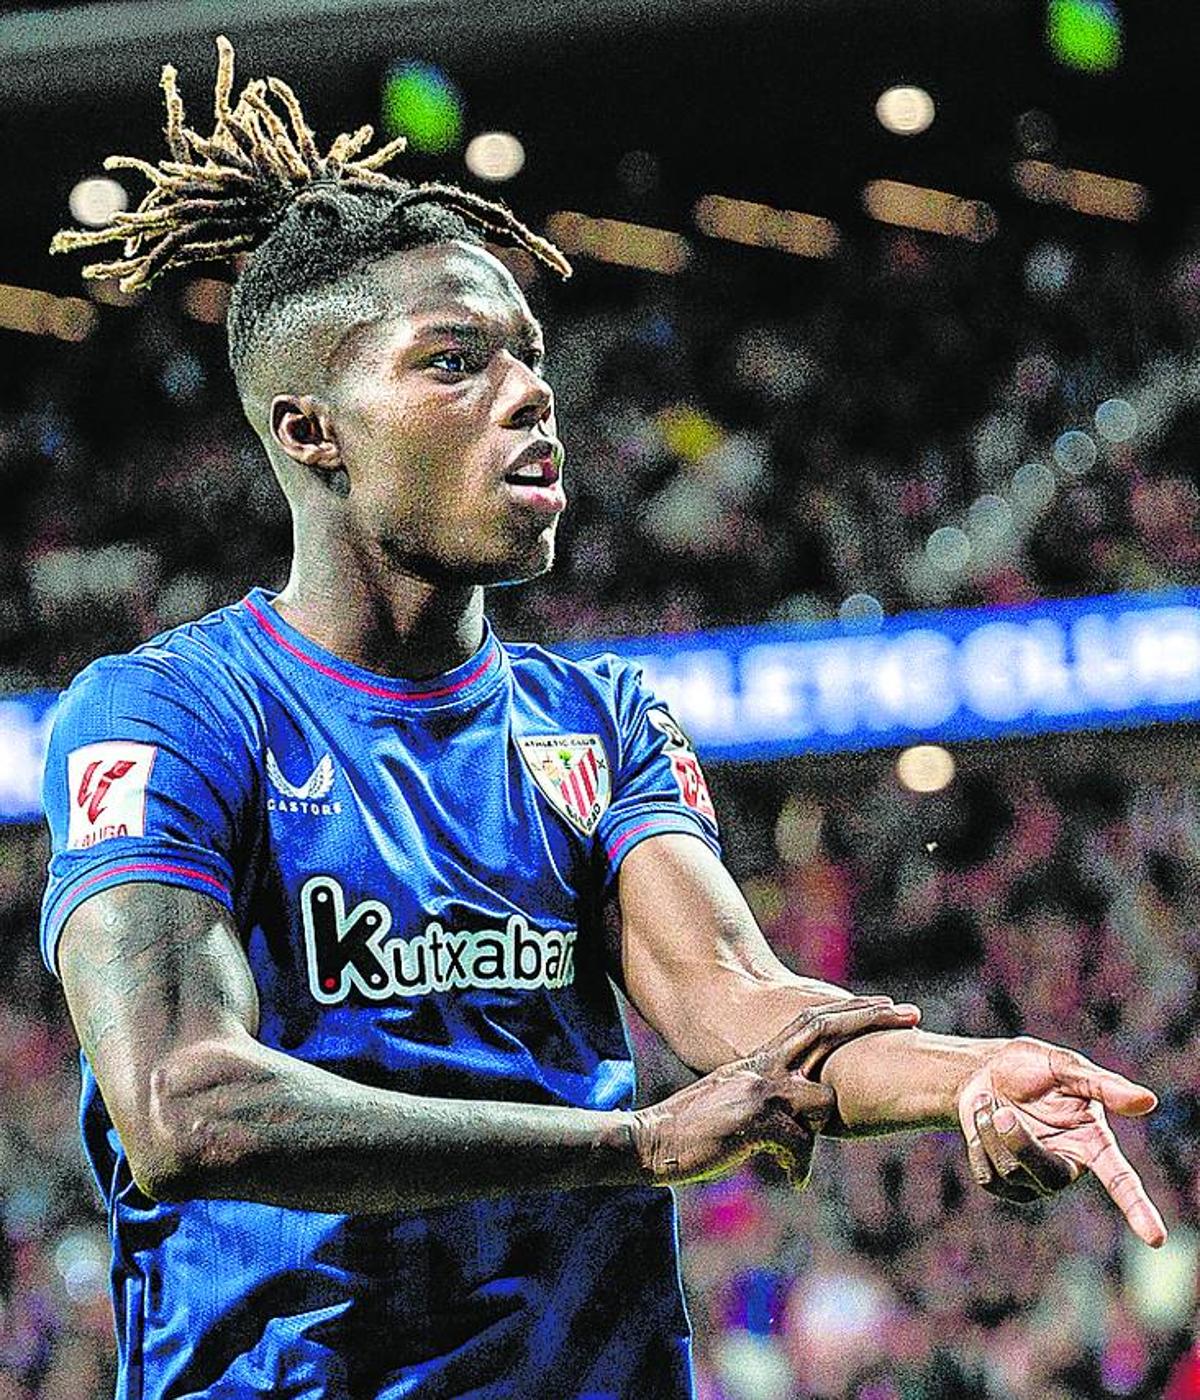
(985, 673)
(25, 722)
(783, 690)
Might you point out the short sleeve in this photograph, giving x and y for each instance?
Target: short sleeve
(142, 782)
(658, 784)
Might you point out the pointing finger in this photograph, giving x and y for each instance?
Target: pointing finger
(1123, 1184)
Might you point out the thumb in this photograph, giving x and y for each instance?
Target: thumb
(1123, 1096)
(808, 1101)
(1079, 1076)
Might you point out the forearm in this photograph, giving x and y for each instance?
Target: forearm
(887, 1081)
(241, 1120)
(894, 1080)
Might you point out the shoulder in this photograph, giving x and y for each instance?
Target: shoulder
(608, 678)
(197, 667)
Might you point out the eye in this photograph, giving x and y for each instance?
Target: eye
(454, 361)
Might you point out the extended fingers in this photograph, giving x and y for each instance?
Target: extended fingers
(1080, 1076)
(813, 1036)
(1121, 1181)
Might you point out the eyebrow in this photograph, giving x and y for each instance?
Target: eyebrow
(529, 335)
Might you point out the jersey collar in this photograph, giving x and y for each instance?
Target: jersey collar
(463, 685)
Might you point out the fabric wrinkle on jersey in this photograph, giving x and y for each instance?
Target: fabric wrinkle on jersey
(417, 871)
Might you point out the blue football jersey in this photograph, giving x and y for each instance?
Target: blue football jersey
(417, 871)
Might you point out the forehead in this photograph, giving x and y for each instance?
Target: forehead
(445, 282)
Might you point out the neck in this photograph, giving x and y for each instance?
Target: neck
(379, 616)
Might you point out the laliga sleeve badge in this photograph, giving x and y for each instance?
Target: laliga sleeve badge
(685, 766)
(107, 791)
(571, 771)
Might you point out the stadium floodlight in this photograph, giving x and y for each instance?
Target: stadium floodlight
(931, 211)
(761, 226)
(35, 312)
(617, 241)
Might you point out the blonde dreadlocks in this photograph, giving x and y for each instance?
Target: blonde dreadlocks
(223, 194)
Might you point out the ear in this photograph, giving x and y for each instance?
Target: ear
(303, 429)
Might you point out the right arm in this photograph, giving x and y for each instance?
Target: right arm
(166, 1010)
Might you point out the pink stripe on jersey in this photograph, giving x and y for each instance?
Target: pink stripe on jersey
(627, 836)
(384, 692)
(142, 867)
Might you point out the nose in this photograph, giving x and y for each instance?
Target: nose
(528, 399)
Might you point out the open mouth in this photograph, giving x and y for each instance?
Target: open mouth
(534, 480)
(542, 470)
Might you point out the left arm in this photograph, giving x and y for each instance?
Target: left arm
(695, 964)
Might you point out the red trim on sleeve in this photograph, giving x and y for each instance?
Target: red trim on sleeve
(627, 836)
(147, 867)
(384, 692)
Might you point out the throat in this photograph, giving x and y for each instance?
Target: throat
(410, 631)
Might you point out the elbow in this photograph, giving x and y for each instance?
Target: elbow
(158, 1173)
(185, 1145)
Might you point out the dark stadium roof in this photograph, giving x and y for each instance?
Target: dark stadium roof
(765, 99)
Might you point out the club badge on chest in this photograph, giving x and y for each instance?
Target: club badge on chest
(572, 773)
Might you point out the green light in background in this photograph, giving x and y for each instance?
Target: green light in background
(1085, 34)
(420, 102)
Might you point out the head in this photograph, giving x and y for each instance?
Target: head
(387, 360)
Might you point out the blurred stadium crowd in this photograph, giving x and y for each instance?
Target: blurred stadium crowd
(926, 425)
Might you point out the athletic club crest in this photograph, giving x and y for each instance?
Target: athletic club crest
(572, 772)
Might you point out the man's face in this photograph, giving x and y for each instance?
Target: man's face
(445, 425)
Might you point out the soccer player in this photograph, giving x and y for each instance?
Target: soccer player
(340, 880)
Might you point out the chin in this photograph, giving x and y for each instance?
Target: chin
(532, 561)
(514, 574)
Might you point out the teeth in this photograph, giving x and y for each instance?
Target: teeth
(530, 473)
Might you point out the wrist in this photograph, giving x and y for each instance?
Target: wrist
(616, 1151)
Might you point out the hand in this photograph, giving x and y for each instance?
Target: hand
(1034, 1121)
(767, 1102)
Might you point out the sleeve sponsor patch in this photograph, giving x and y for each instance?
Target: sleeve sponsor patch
(685, 766)
(107, 791)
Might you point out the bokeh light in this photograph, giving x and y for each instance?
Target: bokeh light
(948, 549)
(990, 519)
(925, 768)
(1085, 34)
(1033, 488)
(421, 102)
(1036, 132)
(1075, 452)
(905, 111)
(94, 201)
(495, 155)
(861, 610)
(1116, 420)
(1049, 268)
